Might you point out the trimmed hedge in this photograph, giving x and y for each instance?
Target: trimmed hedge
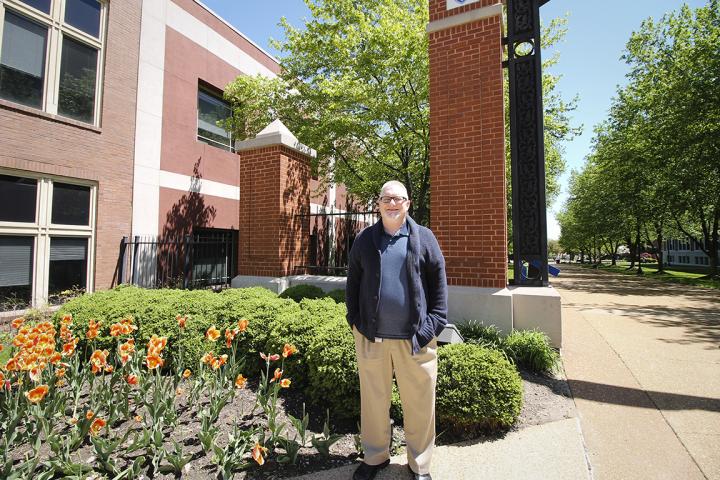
(154, 312)
(298, 292)
(332, 369)
(337, 295)
(477, 387)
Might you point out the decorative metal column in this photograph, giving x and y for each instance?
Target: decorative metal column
(527, 143)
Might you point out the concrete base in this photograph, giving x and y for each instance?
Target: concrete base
(491, 306)
(540, 308)
(521, 308)
(274, 284)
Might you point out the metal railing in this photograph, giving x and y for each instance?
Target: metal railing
(204, 259)
(331, 237)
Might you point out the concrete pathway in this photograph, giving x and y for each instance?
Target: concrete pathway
(550, 451)
(643, 363)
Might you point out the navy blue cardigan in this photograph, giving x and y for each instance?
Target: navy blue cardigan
(426, 281)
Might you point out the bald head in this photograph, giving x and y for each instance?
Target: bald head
(395, 186)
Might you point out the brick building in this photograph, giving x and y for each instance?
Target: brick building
(109, 125)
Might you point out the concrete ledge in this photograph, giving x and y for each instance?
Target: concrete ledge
(491, 306)
(274, 284)
(538, 307)
(327, 283)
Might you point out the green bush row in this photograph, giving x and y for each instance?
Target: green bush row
(530, 349)
(475, 386)
(300, 292)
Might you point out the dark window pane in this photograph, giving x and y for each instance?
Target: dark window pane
(78, 68)
(71, 204)
(17, 199)
(22, 62)
(16, 258)
(212, 112)
(84, 15)
(68, 264)
(42, 5)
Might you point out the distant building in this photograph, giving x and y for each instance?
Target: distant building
(684, 252)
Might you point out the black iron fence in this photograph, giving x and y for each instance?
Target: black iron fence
(208, 258)
(331, 237)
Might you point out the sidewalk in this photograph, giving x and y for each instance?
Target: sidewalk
(643, 364)
(550, 451)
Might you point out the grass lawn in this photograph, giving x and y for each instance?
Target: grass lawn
(671, 274)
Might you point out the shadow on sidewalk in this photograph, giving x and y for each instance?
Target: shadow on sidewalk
(634, 397)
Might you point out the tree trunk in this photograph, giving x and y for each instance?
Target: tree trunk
(660, 261)
(637, 249)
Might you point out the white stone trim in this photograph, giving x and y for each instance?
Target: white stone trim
(466, 17)
(186, 183)
(148, 120)
(202, 34)
(275, 134)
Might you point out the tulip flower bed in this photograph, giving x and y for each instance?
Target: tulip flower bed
(71, 413)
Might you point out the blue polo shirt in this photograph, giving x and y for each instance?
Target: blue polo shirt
(393, 318)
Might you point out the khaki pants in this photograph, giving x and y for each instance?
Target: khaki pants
(416, 376)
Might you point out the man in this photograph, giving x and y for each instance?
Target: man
(397, 305)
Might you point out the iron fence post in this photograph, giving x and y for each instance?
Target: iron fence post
(186, 264)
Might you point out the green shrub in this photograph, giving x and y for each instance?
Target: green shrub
(332, 369)
(476, 388)
(298, 329)
(154, 313)
(337, 295)
(531, 349)
(476, 332)
(298, 292)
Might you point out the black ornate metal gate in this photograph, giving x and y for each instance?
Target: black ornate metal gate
(526, 142)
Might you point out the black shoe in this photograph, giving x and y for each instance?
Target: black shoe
(368, 472)
(419, 476)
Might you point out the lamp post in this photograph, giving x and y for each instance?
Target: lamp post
(527, 150)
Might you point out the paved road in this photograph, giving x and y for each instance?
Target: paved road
(643, 362)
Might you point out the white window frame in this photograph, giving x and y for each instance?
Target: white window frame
(42, 230)
(53, 51)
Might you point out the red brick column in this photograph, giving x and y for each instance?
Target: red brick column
(467, 142)
(274, 188)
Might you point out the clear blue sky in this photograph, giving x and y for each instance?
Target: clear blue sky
(590, 62)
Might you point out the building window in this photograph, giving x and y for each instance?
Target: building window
(47, 233)
(213, 111)
(50, 55)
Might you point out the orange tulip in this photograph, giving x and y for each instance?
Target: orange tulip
(60, 372)
(285, 383)
(257, 453)
(243, 324)
(37, 394)
(2, 347)
(156, 345)
(66, 320)
(69, 348)
(98, 360)
(132, 379)
(278, 374)
(12, 365)
(92, 331)
(138, 418)
(240, 381)
(212, 333)
(207, 359)
(35, 374)
(186, 373)
(89, 414)
(181, 320)
(154, 361)
(288, 350)
(96, 426)
(17, 322)
(2, 378)
(230, 336)
(115, 329)
(55, 358)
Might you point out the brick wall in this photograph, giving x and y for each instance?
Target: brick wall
(274, 188)
(467, 165)
(37, 142)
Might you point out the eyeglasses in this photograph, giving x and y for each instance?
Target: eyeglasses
(387, 200)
